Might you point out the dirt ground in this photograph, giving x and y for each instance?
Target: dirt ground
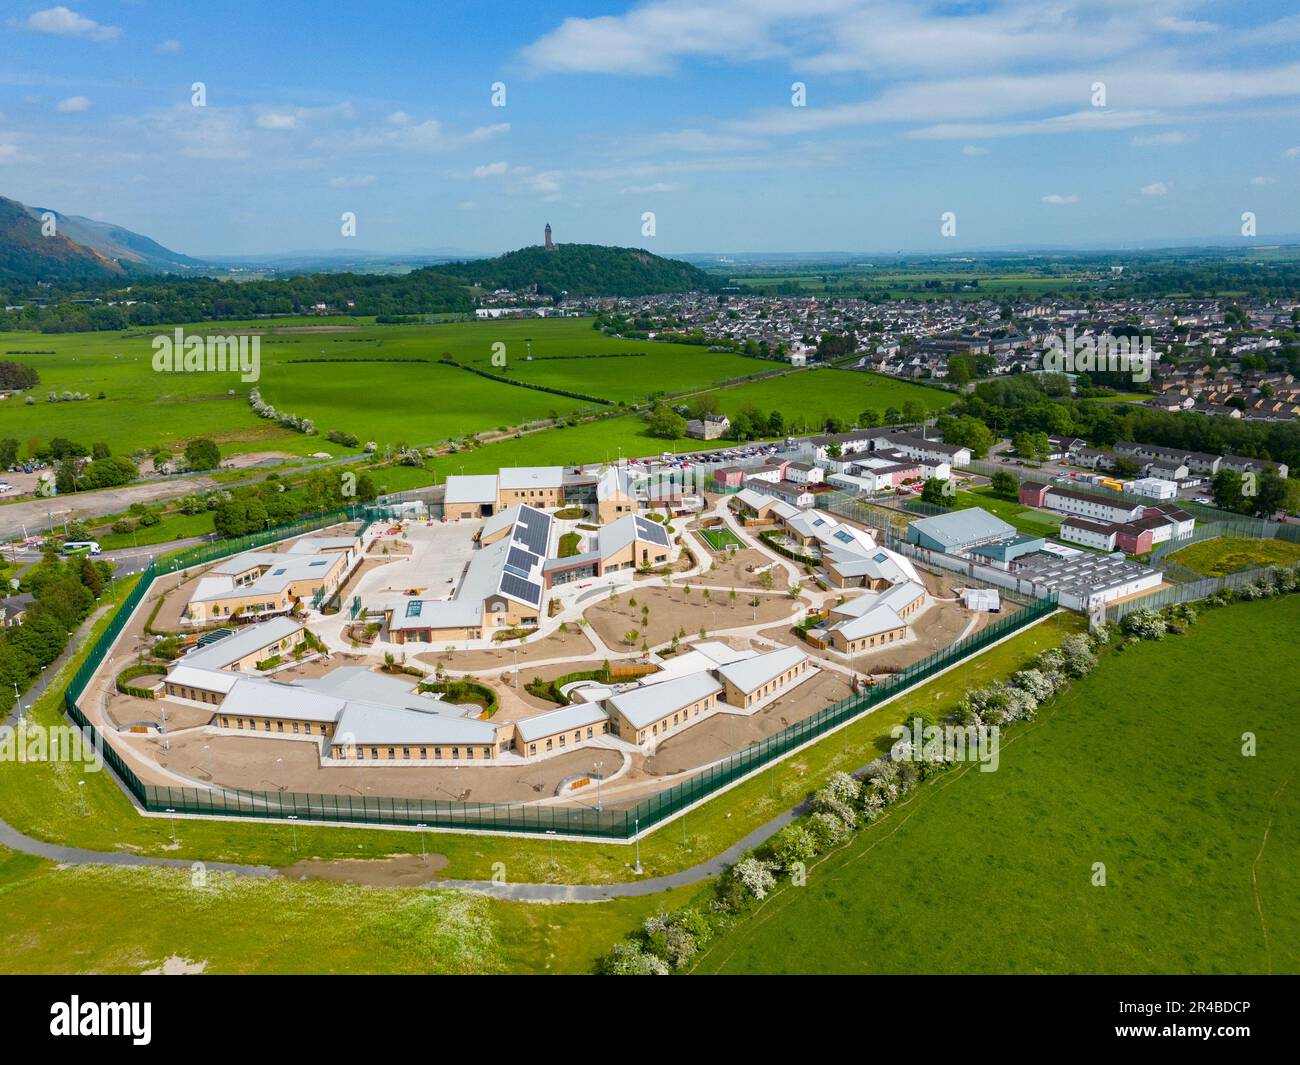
(734, 572)
(572, 643)
(401, 870)
(673, 609)
(275, 764)
(722, 734)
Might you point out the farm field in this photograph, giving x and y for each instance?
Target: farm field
(412, 402)
(1138, 766)
(828, 392)
(1229, 554)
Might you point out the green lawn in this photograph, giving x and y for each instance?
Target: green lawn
(1028, 520)
(1229, 554)
(1140, 767)
(817, 394)
(721, 539)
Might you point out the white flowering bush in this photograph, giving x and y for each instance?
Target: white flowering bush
(1145, 625)
(631, 959)
(1038, 683)
(792, 845)
(830, 830)
(1080, 659)
(756, 876)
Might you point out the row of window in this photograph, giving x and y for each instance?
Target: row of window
(418, 753)
(678, 718)
(577, 738)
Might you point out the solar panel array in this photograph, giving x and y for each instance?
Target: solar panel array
(649, 530)
(532, 529)
(529, 591)
(521, 560)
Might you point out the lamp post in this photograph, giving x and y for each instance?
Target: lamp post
(636, 822)
(598, 783)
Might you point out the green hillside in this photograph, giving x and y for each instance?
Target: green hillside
(584, 270)
(27, 255)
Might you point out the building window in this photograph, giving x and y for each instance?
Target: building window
(392, 754)
(295, 728)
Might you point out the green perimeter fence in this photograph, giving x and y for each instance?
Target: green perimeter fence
(497, 817)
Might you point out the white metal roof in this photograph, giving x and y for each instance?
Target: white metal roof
(242, 643)
(642, 706)
(752, 673)
(471, 488)
(574, 716)
(517, 478)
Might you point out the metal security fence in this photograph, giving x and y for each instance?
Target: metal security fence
(1187, 592)
(489, 817)
(1238, 527)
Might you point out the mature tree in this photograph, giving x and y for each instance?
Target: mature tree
(1004, 484)
(202, 454)
(666, 423)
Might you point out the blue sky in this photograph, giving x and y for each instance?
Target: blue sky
(680, 107)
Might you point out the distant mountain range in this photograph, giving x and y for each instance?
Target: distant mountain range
(583, 270)
(78, 249)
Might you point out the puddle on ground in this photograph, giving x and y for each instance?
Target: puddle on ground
(401, 870)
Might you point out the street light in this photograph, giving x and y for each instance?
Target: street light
(636, 821)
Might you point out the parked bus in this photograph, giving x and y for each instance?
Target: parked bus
(81, 547)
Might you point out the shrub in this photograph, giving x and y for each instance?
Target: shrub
(1144, 624)
(756, 876)
(631, 959)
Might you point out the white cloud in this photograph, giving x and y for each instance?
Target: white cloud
(1292, 153)
(167, 47)
(467, 205)
(8, 152)
(360, 182)
(491, 169)
(61, 22)
(1262, 180)
(1057, 198)
(1156, 188)
(73, 105)
(399, 118)
(658, 186)
(1159, 140)
(427, 136)
(277, 120)
(974, 150)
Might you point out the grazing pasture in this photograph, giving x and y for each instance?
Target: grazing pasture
(1139, 767)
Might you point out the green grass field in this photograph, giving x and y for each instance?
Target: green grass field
(1028, 520)
(236, 925)
(1229, 554)
(412, 402)
(1140, 767)
(820, 393)
(721, 539)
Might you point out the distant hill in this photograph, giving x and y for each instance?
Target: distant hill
(584, 270)
(81, 251)
(130, 250)
(27, 255)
